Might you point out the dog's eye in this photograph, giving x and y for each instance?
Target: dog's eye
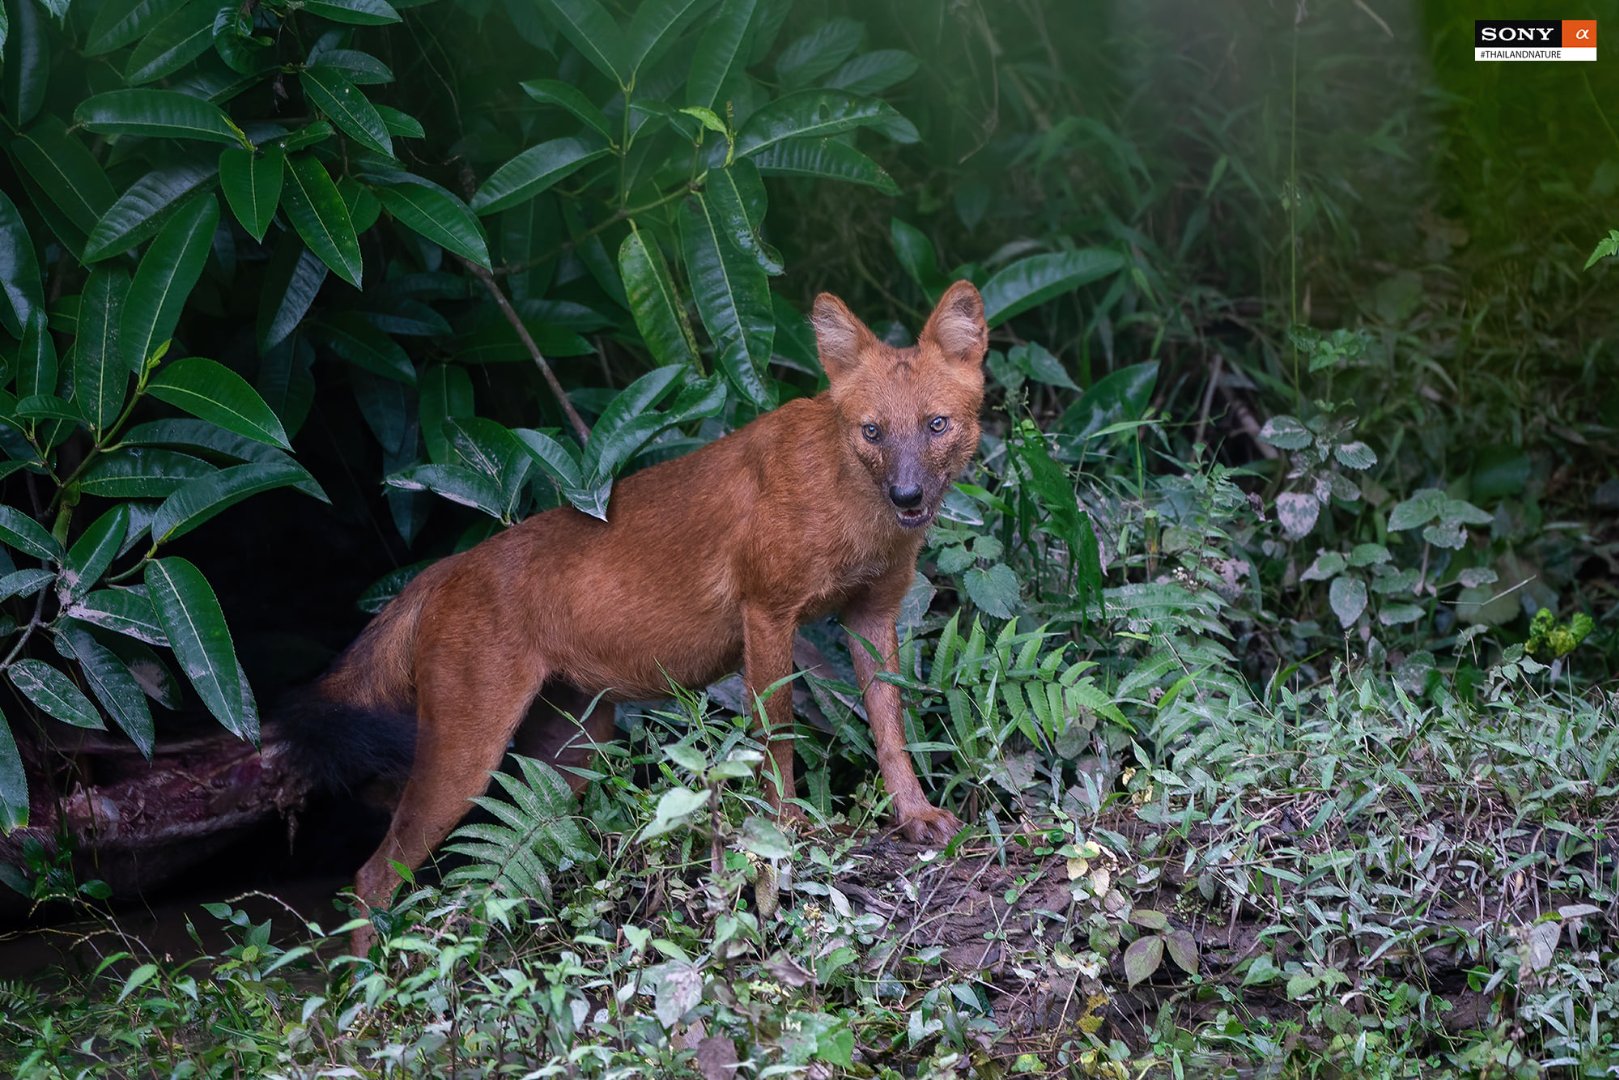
(872, 432)
(938, 424)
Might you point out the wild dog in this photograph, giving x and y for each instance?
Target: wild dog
(704, 562)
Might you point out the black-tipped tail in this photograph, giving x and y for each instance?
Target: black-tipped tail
(336, 746)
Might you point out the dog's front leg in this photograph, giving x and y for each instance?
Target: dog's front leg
(872, 619)
(767, 658)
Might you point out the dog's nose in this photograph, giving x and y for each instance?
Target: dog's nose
(906, 498)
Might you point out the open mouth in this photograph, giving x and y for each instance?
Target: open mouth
(915, 517)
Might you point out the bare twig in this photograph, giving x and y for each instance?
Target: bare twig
(580, 429)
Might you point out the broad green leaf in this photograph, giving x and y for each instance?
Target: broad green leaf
(1297, 513)
(1144, 956)
(811, 114)
(824, 159)
(13, 783)
(123, 611)
(819, 51)
(165, 114)
(112, 684)
(317, 212)
(290, 284)
(566, 96)
(675, 808)
(54, 693)
(191, 618)
(915, 253)
(120, 22)
(659, 313)
(347, 107)
(597, 36)
(361, 344)
(25, 65)
(184, 431)
(444, 392)
(93, 552)
(1286, 432)
(727, 192)
(173, 43)
(720, 53)
(140, 473)
(141, 210)
(1035, 360)
(360, 68)
(252, 185)
(206, 497)
(66, 171)
(1327, 565)
(438, 217)
(20, 283)
(733, 298)
(1419, 509)
(1348, 597)
(101, 379)
(48, 407)
(36, 357)
(166, 275)
(1034, 280)
(24, 534)
(655, 27)
(535, 170)
(553, 457)
(874, 72)
(994, 590)
(400, 124)
(24, 583)
(354, 12)
(363, 206)
(457, 483)
(211, 391)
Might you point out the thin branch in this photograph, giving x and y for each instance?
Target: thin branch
(580, 429)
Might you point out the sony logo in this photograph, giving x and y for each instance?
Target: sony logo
(1528, 34)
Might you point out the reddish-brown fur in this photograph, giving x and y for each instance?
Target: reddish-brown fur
(705, 562)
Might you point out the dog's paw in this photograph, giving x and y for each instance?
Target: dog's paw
(928, 825)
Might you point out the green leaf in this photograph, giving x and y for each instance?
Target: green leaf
(729, 192)
(553, 457)
(1286, 432)
(120, 22)
(720, 52)
(291, 282)
(400, 124)
(112, 684)
(591, 30)
(819, 51)
(192, 620)
(1036, 361)
(994, 591)
(19, 531)
(811, 114)
(874, 72)
(123, 611)
(25, 65)
(1355, 455)
(360, 68)
(167, 273)
(54, 693)
(656, 306)
(252, 186)
(438, 217)
(66, 171)
(354, 12)
(141, 211)
(824, 159)
(48, 407)
(100, 376)
(317, 212)
(733, 298)
(1297, 513)
(24, 583)
(206, 497)
(1327, 565)
(1347, 595)
(676, 807)
(565, 96)
(1419, 509)
(173, 43)
(1142, 958)
(915, 253)
(211, 391)
(444, 392)
(36, 357)
(347, 107)
(166, 114)
(13, 783)
(655, 27)
(1034, 280)
(20, 283)
(457, 483)
(93, 552)
(184, 431)
(361, 344)
(140, 473)
(535, 170)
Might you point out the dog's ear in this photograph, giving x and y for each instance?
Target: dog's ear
(956, 327)
(840, 338)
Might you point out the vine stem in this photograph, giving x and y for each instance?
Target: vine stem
(580, 428)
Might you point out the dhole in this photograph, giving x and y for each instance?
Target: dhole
(705, 561)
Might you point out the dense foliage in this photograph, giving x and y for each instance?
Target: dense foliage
(1264, 649)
